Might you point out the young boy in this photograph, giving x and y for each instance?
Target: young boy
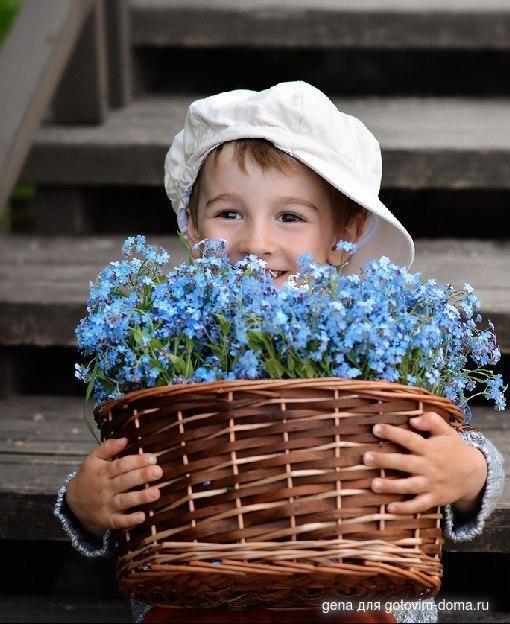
(278, 173)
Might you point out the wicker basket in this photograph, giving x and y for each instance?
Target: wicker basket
(265, 500)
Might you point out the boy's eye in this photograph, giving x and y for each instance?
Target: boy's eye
(223, 212)
(291, 214)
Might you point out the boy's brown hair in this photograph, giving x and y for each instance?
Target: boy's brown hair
(267, 156)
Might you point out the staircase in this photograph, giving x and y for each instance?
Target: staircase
(428, 79)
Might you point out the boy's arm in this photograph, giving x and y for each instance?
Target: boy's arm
(82, 540)
(459, 527)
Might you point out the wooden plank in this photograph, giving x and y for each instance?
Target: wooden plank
(434, 143)
(61, 210)
(7, 375)
(55, 425)
(44, 281)
(43, 409)
(456, 262)
(46, 425)
(364, 6)
(43, 35)
(393, 24)
(64, 610)
(87, 65)
(44, 438)
(495, 536)
(118, 31)
(27, 470)
(40, 325)
(36, 475)
(30, 516)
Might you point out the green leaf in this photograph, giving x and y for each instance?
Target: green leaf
(89, 425)
(101, 376)
(155, 363)
(268, 345)
(90, 385)
(186, 244)
(290, 364)
(138, 335)
(179, 363)
(255, 341)
(274, 368)
(189, 369)
(224, 323)
(309, 368)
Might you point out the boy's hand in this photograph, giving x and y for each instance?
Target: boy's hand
(103, 488)
(444, 469)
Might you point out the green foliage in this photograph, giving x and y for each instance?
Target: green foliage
(8, 11)
(19, 220)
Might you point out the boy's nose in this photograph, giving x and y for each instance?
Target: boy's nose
(256, 241)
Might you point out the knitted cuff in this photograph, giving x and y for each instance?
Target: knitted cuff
(467, 529)
(82, 540)
(139, 610)
(419, 611)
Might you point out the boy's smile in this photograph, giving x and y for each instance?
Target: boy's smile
(274, 215)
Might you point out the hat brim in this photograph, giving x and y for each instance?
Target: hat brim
(391, 238)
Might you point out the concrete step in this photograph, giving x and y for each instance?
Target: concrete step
(427, 143)
(44, 281)
(43, 438)
(361, 24)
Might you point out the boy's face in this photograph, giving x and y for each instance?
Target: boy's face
(255, 214)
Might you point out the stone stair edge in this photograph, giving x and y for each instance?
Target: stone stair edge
(414, 24)
(441, 143)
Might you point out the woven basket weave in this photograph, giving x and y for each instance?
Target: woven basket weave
(265, 499)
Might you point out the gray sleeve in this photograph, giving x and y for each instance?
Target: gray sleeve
(82, 540)
(139, 610)
(415, 610)
(460, 530)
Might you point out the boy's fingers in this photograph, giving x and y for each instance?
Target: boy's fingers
(129, 480)
(418, 504)
(408, 439)
(122, 521)
(431, 421)
(121, 465)
(110, 448)
(396, 461)
(135, 498)
(411, 485)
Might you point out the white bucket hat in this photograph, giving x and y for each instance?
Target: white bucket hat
(300, 120)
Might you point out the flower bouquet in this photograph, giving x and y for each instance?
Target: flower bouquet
(259, 403)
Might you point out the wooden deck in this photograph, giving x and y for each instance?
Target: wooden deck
(44, 281)
(393, 24)
(43, 438)
(425, 76)
(429, 142)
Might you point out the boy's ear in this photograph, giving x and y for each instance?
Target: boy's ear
(192, 236)
(335, 256)
(351, 233)
(355, 228)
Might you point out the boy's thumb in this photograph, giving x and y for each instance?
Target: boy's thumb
(110, 448)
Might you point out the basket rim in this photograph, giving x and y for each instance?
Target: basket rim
(382, 387)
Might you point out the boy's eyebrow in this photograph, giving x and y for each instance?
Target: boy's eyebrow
(288, 199)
